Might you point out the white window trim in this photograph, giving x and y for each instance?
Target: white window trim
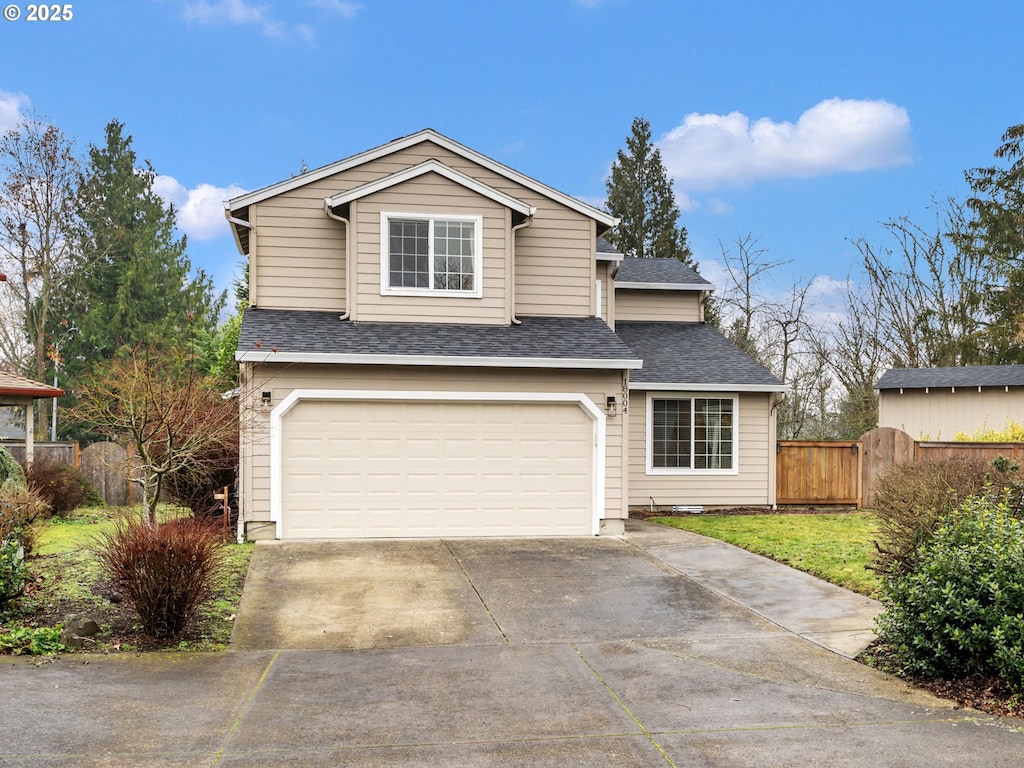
(385, 255)
(649, 443)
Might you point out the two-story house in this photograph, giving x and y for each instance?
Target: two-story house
(438, 345)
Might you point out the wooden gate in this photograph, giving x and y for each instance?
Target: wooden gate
(818, 472)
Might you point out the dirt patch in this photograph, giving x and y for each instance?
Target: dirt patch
(645, 513)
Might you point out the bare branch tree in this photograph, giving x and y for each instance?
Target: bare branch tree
(164, 410)
(38, 183)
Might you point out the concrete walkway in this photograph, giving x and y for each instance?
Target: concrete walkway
(630, 651)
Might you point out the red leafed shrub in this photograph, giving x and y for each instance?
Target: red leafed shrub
(61, 486)
(164, 571)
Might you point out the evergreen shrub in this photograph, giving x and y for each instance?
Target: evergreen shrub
(912, 500)
(959, 610)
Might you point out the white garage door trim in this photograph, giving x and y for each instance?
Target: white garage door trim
(585, 403)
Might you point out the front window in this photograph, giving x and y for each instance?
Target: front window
(430, 254)
(691, 433)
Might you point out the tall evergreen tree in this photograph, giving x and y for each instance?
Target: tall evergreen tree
(639, 193)
(134, 283)
(996, 232)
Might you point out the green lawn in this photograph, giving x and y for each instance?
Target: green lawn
(836, 547)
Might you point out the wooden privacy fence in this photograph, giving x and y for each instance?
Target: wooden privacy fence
(846, 472)
(65, 453)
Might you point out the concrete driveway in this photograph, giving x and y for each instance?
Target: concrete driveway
(656, 648)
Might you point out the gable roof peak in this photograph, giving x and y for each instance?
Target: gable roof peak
(241, 202)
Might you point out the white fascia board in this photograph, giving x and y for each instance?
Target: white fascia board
(679, 386)
(665, 286)
(431, 166)
(605, 256)
(260, 356)
(411, 140)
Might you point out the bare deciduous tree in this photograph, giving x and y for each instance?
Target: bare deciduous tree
(38, 184)
(162, 409)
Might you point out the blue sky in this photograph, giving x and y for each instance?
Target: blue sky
(804, 124)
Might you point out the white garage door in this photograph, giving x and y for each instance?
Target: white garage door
(352, 469)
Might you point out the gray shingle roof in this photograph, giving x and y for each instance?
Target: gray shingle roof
(604, 246)
(668, 272)
(963, 376)
(296, 333)
(692, 353)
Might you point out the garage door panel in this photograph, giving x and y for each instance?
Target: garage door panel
(386, 468)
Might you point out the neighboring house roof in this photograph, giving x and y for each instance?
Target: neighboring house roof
(294, 336)
(961, 376)
(692, 356)
(431, 166)
(237, 204)
(13, 385)
(659, 274)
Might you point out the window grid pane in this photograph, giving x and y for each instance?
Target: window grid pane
(671, 433)
(410, 253)
(453, 255)
(713, 434)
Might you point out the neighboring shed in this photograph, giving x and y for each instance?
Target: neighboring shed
(18, 391)
(936, 403)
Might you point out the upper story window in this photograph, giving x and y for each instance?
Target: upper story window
(691, 434)
(431, 254)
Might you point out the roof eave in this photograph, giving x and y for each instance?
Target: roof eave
(683, 386)
(260, 356)
(664, 286)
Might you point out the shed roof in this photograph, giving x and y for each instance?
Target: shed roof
(13, 385)
(692, 356)
(659, 274)
(960, 376)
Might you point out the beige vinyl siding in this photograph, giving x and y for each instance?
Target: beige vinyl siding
(752, 485)
(280, 380)
(431, 194)
(554, 270)
(297, 252)
(657, 306)
(940, 413)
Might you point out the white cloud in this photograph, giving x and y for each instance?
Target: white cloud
(837, 135)
(11, 105)
(343, 8)
(200, 209)
(235, 12)
(262, 15)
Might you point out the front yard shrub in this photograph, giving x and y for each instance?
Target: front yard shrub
(163, 571)
(12, 567)
(32, 641)
(959, 610)
(912, 500)
(19, 509)
(61, 486)
(11, 474)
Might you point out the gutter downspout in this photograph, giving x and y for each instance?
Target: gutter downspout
(348, 259)
(526, 222)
